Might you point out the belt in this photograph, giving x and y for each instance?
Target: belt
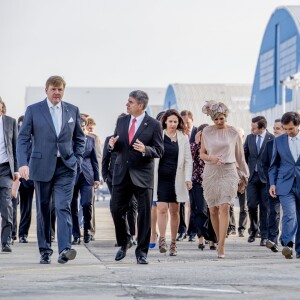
(4, 164)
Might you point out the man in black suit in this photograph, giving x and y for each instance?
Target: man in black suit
(108, 163)
(191, 131)
(138, 140)
(274, 203)
(87, 179)
(257, 186)
(8, 173)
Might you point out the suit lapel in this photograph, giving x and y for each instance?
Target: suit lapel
(143, 125)
(266, 139)
(125, 127)
(287, 148)
(5, 129)
(46, 113)
(65, 116)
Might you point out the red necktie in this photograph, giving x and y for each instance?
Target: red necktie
(131, 131)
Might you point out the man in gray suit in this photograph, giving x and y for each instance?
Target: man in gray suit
(8, 173)
(57, 150)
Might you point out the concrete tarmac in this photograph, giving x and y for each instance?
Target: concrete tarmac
(248, 271)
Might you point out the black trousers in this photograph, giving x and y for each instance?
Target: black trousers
(258, 198)
(201, 217)
(274, 219)
(132, 212)
(26, 196)
(243, 213)
(182, 225)
(86, 196)
(120, 205)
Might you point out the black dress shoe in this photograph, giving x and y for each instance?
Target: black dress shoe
(23, 239)
(6, 247)
(66, 255)
(122, 251)
(298, 255)
(86, 238)
(263, 242)
(45, 259)
(251, 239)
(181, 236)
(76, 241)
(142, 260)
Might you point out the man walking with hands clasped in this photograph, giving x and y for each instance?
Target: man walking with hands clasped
(57, 150)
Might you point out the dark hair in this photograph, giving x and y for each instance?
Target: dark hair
(160, 115)
(261, 122)
(20, 119)
(55, 81)
(187, 113)
(277, 120)
(3, 106)
(140, 96)
(291, 116)
(83, 120)
(201, 127)
(172, 112)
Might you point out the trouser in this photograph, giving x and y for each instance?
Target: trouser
(119, 204)
(258, 197)
(60, 188)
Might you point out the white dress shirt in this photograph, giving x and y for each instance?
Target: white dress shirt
(294, 145)
(59, 112)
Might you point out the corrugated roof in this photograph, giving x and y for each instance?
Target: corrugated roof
(193, 96)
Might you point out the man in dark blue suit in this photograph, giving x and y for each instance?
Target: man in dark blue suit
(85, 181)
(57, 149)
(274, 203)
(257, 195)
(284, 176)
(137, 140)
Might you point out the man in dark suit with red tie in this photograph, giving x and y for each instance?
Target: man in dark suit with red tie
(137, 140)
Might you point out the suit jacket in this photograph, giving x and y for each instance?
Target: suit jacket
(193, 134)
(39, 126)
(253, 158)
(141, 168)
(283, 167)
(108, 161)
(90, 167)
(184, 169)
(267, 157)
(10, 138)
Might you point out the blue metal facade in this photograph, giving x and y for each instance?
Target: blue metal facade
(279, 57)
(170, 99)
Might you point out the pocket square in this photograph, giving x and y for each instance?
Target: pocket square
(71, 120)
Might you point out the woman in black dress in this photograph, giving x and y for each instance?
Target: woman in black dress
(174, 177)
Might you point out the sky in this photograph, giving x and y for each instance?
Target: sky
(121, 43)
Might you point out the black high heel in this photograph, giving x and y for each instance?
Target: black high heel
(201, 246)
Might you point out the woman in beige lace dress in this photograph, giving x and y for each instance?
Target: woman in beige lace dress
(225, 169)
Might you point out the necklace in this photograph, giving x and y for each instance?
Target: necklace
(171, 136)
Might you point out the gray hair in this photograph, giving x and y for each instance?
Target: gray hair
(140, 96)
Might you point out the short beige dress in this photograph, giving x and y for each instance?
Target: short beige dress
(220, 182)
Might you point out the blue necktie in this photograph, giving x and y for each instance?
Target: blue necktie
(258, 148)
(258, 143)
(54, 116)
